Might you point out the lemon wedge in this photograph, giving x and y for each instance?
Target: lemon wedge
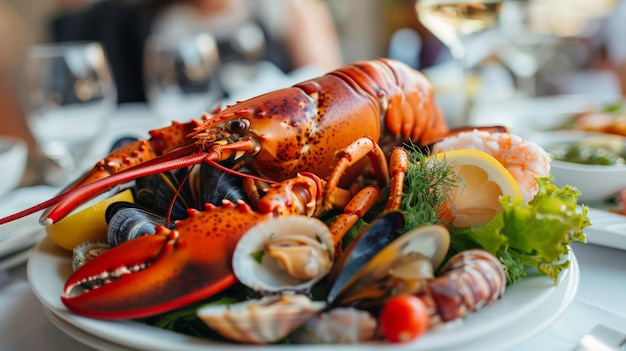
(88, 224)
(480, 181)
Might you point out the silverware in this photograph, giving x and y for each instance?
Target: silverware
(602, 338)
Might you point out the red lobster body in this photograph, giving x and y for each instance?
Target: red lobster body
(324, 127)
(281, 133)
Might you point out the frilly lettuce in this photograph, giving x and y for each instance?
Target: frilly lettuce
(532, 236)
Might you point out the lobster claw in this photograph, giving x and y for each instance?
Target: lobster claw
(158, 273)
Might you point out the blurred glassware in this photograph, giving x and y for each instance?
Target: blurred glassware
(527, 43)
(13, 158)
(405, 45)
(453, 22)
(534, 32)
(616, 45)
(69, 92)
(181, 75)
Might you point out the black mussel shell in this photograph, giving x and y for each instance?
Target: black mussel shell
(369, 242)
(205, 184)
(155, 192)
(217, 185)
(127, 221)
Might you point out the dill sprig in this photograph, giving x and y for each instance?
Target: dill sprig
(425, 188)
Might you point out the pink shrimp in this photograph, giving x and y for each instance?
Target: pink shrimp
(524, 159)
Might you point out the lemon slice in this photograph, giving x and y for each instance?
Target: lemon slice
(480, 181)
(88, 224)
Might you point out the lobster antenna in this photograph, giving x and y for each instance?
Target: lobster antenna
(240, 174)
(170, 208)
(36, 208)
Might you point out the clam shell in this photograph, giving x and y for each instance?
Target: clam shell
(87, 251)
(266, 275)
(403, 266)
(260, 321)
(343, 325)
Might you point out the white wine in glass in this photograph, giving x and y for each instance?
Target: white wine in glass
(453, 21)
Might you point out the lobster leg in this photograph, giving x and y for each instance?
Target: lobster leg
(162, 141)
(398, 166)
(167, 270)
(74, 198)
(353, 153)
(360, 204)
(140, 152)
(370, 195)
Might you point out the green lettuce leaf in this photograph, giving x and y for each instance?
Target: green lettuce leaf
(532, 237)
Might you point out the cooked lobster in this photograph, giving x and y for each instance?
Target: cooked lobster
(279, 134)
(322, 132)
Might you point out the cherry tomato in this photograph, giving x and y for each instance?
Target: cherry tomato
(404, 318)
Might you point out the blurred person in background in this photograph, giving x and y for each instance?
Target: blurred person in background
(297, 33)
(14, 41)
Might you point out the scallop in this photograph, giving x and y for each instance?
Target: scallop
(289, 253)
(261, 321)
(403, 265)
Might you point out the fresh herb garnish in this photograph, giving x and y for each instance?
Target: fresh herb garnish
(425, 188)
(258, 256)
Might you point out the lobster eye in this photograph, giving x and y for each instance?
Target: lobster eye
(238, 127)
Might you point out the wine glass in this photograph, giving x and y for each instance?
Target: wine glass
(528, 40)
(453, 22)
(180, 74)
(534, 32)
(69, 90)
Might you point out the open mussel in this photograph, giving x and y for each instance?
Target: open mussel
(127, 221)
(284, 254)
(382, 262)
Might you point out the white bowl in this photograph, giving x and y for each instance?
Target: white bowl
(13, 159)
(596, 182)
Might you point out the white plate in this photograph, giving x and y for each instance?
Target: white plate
(25, 232)
(81, 336)
(535, 299)
(606, 229)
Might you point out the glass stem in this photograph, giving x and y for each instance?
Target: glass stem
(527, 84)
(467, 86)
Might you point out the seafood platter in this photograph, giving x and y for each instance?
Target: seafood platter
(342, 211)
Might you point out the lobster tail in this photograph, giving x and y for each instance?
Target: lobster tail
(405, 97)
(417, 115)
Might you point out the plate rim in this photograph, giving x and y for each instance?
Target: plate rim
(47, 250)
